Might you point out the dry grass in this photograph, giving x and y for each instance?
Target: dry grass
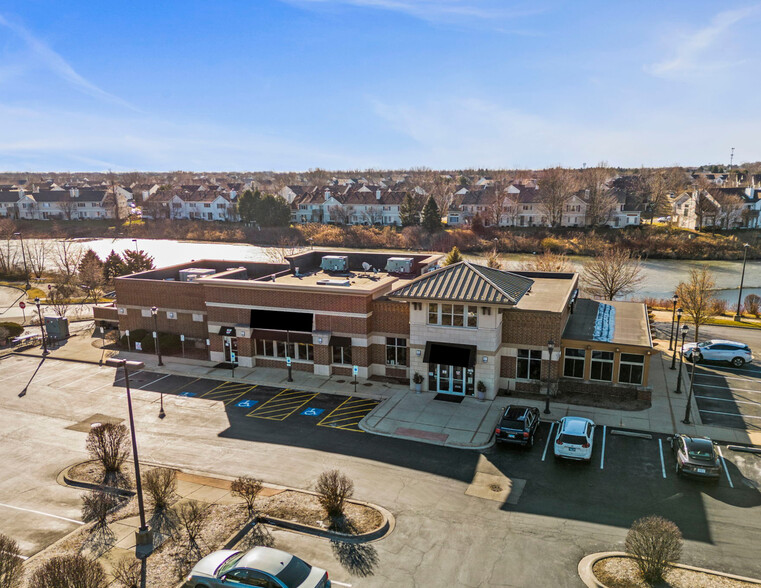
(622, 572)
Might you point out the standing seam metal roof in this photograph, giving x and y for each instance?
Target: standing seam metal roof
(467, 282)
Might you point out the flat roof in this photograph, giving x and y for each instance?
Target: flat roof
(630, 325)
(333, 282)
(548, 294)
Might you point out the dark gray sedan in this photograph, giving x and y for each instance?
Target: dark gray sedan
(696, 456)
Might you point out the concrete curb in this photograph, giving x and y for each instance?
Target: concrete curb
(588, 577)
(386, 528)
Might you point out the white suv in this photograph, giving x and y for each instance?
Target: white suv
(738, 354)
(575, 438)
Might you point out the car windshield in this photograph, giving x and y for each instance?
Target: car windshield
(705, 343)
(573, 439)
(228, 564)
(294, 573)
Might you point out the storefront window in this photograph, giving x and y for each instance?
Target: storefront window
(602, 366)
(573, 367)
(342, 355)
(396, 351)
(529, 364)
(305, 351)
(301, 351)
(631, 369)
(452, 315)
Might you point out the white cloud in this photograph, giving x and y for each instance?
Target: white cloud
(699, 51)
(59, 66)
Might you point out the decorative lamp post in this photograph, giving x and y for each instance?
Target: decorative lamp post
(143, 536)
(23, 254)
(738, 316)
(135, 242)
(550, 348)
(675, 299)
(678, 319)
(678, 390)
(688, 408)
(155, 314)
(42, 328)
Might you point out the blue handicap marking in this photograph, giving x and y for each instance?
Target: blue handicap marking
(187, 393)
(313, 411)
(246, 403)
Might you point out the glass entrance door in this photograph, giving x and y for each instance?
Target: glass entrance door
(449, 379)
(231, 349)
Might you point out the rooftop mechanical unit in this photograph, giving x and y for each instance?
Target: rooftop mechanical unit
(399, 265)
(193, 273)
(335, 263)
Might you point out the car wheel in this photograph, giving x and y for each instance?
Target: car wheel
(531, 441)
(696, 357)
(738, 362)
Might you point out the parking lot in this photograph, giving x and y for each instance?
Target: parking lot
(726, 396)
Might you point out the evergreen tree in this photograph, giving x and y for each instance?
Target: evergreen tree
(89, 259)
(431, 215)
(273, 212)
(408, 211)
(137, 261)
(454, 256)
(113, 266)
(248, 204)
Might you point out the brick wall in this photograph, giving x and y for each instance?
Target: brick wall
(390, 317)
(521, 327)
(322, 355)
(598, 390)
(507, 367)
(147, 293)
(288, 299)
(280, 364)
(182, 325)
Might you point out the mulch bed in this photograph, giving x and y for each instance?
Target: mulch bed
(622, 572)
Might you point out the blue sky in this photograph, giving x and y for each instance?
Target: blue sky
(347, 84)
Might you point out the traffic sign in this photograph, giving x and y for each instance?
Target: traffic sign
(22, 305)
(355, 370)
(288, 362)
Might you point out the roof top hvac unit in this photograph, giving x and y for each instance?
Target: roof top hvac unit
(335, 263)
(399, 265)
(193, 273)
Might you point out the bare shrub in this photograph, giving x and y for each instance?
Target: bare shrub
(161, 485)
(108, 444)
(753, 304)
(69, 570)
(126, 572)
(248, 489)
(654, 542)
(719, 307)
(334, 488)
(192, 516)
(10, 563)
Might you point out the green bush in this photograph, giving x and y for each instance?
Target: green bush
(13, 329)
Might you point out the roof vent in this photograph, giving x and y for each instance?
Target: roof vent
(335, 263)
(399, 265)
(333, 282)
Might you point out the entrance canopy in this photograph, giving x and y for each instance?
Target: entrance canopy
(227, 331)
(450, 354)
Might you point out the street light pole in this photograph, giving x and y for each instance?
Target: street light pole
(143, 535)
(550, 347)
(688, 408)
(288, 353)
(23, 255)
(678, 390)
(155, 313)
(675, 299)
(42, 329)
(738, 316)
(678, 319)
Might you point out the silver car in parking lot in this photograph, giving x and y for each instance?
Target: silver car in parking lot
(574, 439)
(738, 354)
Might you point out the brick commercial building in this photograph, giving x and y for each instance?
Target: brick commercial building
(396, 316)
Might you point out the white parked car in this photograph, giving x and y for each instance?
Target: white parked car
(574, 439)
(260, 566)
(738, 354)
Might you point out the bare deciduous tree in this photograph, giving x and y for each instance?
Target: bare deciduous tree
(654, 542)
(161, 486)
(614, 272)
(248, 489)
(192, 516)
(334, 488)
(69, 570)
(556, 186)
(97, 505)
(11, 571)
(548, 262)
(126, 572)
(108, 443)
(696, 296)
(37, 253)
(599, 200)
(67, 255)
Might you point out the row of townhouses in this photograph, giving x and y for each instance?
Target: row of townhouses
(725, 207)
(71, 204)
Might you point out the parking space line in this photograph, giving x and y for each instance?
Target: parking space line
(153, 382)
(352, 410)
(228, 392)
(282, 405)
(45, 514)
(724, 463)
(729, 400)
(729, 388)
(549, 436)
(119, 379)
(663, 463)
(734, 414)
(58, 373)
(602, 456)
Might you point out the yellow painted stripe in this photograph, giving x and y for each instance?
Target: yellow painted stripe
(205, 394)
(282, 405)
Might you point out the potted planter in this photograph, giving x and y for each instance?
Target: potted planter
(418, 380)
(480, 390)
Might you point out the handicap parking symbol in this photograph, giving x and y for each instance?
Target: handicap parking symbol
(246, 403)
(313, 411)
(187, 393)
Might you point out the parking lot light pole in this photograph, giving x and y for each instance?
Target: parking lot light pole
(678, 390)
(42, 329)
(23, 255)
(550, 347)
(688, 408)
(143, 536)
(675, 299)
(739, 316)
(678, 320)
(155, 313)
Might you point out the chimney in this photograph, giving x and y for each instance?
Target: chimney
(327, 195)
(377, 194)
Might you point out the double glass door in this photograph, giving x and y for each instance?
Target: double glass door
(450, 379)
(231, 349)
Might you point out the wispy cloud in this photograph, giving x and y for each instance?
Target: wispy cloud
(695, 50)
(440, 9)
(59, 66)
